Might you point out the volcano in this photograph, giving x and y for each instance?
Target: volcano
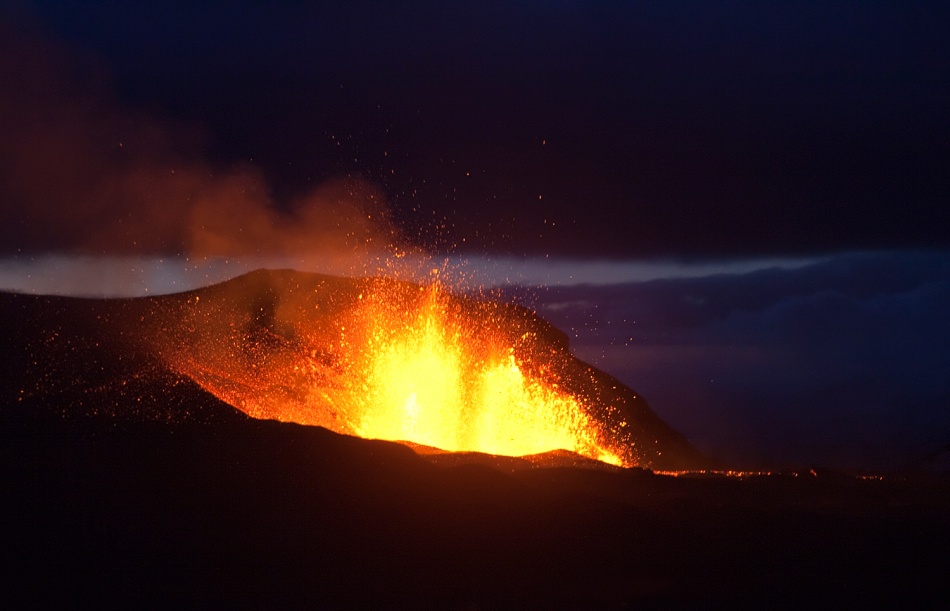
(246, 444)
(367, 357)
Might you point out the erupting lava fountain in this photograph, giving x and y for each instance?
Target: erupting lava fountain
(381, 358)
(372, 357)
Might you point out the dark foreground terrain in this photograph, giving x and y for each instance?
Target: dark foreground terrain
(126, 485)
(262, 514)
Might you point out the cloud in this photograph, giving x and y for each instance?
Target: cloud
(842, 362)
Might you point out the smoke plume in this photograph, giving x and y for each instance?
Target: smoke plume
(80, 175)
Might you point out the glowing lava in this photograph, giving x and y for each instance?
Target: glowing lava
(432, 382)
(391, 360)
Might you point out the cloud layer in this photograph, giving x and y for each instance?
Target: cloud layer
(839, 363)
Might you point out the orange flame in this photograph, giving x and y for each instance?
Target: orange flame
(405, 363)
(432, 382)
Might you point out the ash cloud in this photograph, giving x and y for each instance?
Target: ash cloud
(81, 175)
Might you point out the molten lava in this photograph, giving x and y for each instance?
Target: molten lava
(391, 360)
(428, 380)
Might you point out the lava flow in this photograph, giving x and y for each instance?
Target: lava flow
(391, 360)
(421, 376)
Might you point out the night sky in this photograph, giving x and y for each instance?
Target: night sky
(766, 183)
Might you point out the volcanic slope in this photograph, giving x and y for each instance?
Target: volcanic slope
(296, 347)
(124, 483)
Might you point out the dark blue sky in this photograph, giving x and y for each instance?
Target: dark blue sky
(697, 132)
(668, 128)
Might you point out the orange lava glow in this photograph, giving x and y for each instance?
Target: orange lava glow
(422, 378)
(400, 362)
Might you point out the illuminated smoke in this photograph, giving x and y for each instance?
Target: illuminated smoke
(79, 175)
